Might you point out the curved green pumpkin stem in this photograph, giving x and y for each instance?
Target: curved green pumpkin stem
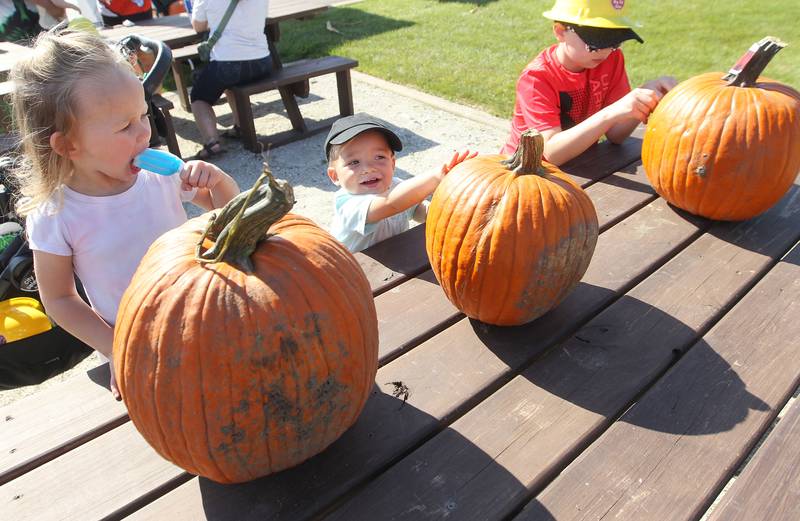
(528, 157)
(748, 68)
(243, 222)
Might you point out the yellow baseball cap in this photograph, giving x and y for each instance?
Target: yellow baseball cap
(608, 14)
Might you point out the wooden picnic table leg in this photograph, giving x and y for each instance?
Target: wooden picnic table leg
(293, 111)
(301, 89)
(181, 85)
(345, 89)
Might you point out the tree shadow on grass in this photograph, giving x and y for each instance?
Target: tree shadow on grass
(313, 38)
(478, 3)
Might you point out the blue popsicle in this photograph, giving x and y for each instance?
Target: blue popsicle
(158, 162)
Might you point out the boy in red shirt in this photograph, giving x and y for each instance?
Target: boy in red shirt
(577, 90)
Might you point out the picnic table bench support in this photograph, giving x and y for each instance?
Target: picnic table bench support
(163, 106)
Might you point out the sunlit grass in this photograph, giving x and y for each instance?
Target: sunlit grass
(473, 51)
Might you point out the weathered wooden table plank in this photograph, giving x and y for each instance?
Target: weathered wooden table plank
(669, 456)
(769, 487)
(55, 420)
(446, 375)
(507, 448)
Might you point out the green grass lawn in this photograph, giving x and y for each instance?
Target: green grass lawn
(473, 51)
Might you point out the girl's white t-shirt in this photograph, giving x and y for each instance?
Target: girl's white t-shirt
(243, 36)
(108, 236)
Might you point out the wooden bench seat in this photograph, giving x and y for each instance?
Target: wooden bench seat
(282, 79)
(291, 79)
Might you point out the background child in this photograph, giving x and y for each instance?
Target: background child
(577, 90)
(369, 206)
(82, 117)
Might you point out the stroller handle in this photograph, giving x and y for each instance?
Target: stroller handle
(155, 76)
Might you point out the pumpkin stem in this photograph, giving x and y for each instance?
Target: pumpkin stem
(528, 157)
(749, 67)
(243, 222)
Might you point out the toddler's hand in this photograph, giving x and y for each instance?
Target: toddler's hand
(456, 159)
(113, 383)
(199, 174)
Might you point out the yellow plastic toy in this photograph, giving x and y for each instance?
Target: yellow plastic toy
(21, 317)
(593, 13)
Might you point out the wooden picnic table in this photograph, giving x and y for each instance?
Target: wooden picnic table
(637, 398)
(176, 30)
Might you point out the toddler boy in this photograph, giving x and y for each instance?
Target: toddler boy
(370, 205)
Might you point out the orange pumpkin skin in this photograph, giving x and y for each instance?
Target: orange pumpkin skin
(723, 152)
(507, 248)
(234, 376)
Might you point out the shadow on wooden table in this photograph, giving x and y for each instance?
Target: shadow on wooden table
(614, 358)
(302, 491)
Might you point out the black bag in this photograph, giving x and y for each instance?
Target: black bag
(32, 360)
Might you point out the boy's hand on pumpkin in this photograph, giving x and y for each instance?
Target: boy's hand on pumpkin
(637, 104)
(199, 174)
(456, 159)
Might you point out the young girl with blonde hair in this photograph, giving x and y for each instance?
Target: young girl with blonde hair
(82, 118)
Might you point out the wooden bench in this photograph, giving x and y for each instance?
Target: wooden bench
(290, 79)
(283, 79)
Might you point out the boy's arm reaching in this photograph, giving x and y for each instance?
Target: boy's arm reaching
(615, 121)
(63, 304)
(411, 191)
(402, 197)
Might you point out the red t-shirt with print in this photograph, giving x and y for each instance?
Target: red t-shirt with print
(548, 95)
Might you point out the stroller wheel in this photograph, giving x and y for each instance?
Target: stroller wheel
(22, 274)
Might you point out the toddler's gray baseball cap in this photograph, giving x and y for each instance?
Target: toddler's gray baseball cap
(346, 128)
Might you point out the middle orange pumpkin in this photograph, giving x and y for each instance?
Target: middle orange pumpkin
(509, 238)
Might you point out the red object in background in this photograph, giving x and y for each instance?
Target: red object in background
(176, 7)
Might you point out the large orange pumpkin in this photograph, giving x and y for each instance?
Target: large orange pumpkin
(508, 239)
(244, 347)
(725, 146)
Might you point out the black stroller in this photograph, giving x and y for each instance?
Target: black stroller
(32, 348)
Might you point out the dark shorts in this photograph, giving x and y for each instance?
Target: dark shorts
(211, 81)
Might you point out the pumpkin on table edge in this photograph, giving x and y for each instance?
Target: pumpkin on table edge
(248, 343)
(509, 238)
(725, 146)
